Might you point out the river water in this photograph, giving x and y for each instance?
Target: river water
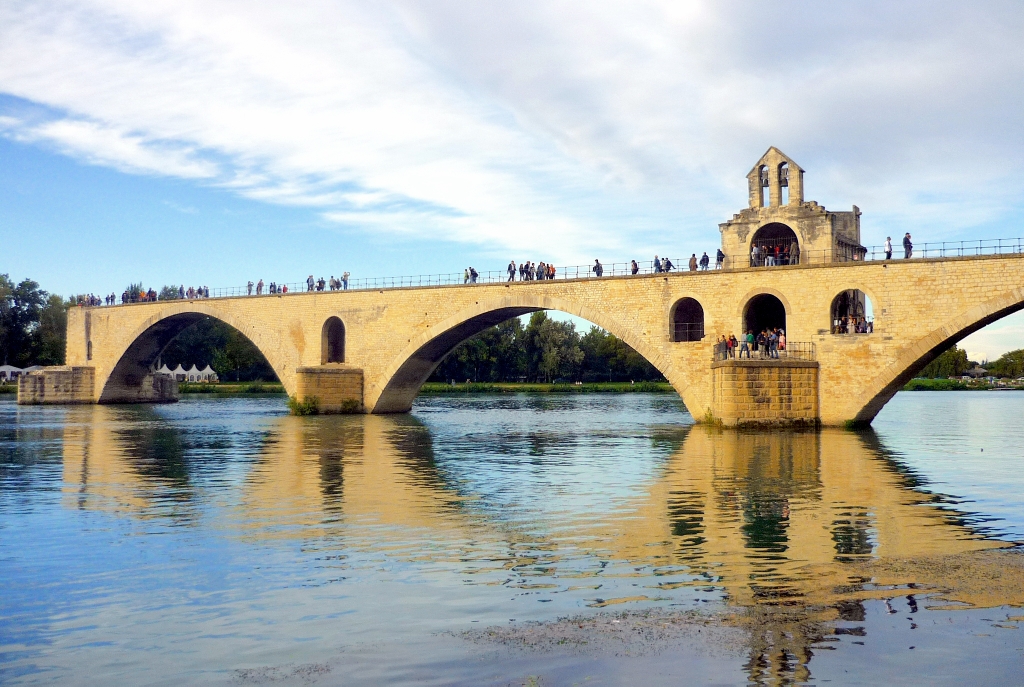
(507, 540)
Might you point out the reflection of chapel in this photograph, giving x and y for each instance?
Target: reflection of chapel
(778, 216)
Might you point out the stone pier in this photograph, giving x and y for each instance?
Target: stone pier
(338, 388)
(765, 392)
(58, 385)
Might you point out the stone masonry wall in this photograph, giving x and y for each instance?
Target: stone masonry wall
(765, 392)
(919, 305)
(333, 385)
(57, 385)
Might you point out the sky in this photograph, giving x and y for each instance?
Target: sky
(216, 141)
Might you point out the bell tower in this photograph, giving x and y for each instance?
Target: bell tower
(778, 222)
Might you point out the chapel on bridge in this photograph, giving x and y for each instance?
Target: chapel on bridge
(778, 217)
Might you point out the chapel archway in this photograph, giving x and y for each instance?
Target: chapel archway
(776, 240)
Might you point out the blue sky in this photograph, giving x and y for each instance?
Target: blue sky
(219, 141)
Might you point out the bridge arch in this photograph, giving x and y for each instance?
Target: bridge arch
(129, 379)
(395, 389)
(918, 353)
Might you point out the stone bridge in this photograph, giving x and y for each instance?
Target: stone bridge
(374, 349)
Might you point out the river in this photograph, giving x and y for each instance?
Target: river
(598, 539)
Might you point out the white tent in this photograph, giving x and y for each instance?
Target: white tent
(208, 374)
(10, 372)
(192, 374)
(164, 370)
(179, 373)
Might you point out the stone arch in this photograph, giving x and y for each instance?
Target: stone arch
(130, 379)
(762, 187)
(848, 307)
(782, 172)
(922, 351)
(764, 310)
(686, 320)
(771, 235)
(395, 389)
(332, 341)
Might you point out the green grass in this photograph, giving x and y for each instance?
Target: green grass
(538, 388)
(942, 385)
(231, 388)
(8, 388)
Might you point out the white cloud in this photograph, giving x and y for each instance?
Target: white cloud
(994, 340)
(602, 122)
(570, 128)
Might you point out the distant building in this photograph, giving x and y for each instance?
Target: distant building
(9, 373)
(193, 374)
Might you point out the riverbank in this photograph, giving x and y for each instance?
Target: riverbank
(231, 388)
(539, 388)
(950, 385)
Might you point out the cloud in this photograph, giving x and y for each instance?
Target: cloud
(571, 126)
(994, 340)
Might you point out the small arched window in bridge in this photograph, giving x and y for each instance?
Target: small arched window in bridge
(333, 344)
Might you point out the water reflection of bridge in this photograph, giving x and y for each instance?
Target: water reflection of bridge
(781, 522)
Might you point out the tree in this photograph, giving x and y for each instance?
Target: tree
(950, 363)
(1008, 365)
(609, 358)
(52, 332)
(552, 349)
(20, 308)
(168, 293)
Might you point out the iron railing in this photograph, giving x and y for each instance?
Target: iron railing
(945, 249)
(794, 350)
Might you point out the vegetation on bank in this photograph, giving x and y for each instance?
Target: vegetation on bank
(431, 388)
(8, 388)
(231, 388)
(939, 385)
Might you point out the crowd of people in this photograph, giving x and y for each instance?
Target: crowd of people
(527, 271)
(767, 344)
(852, 325)
(782, 253)
(771, 256)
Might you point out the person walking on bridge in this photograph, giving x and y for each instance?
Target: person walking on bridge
(705, 261)
(248, 288)
(633, 267)
(719, 259)
(259, 288)
(344, 281)
(908, 247)
(598, 267)
(657, 265)
(511, 270)
(888, 248)
(693, 262)
(309, 283)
